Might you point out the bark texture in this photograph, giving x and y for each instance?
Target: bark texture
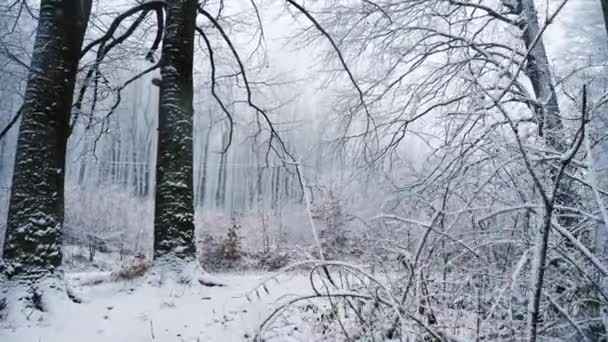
(174, 210)
(36, 210)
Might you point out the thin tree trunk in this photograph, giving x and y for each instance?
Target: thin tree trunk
(203, 185)
(231, 191)
(540, 75)
(147, 150)
(174, 209)
(273, 199)
(136, 165)
(605, 12)
(221, 174)
(224, 170)
(36, 211)
(82, 170)
(259, 185)
(2, 148)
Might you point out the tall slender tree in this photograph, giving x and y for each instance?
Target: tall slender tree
(203, 167)
(32, 246)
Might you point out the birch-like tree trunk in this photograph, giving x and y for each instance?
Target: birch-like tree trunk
(174, 209)
(35, 217)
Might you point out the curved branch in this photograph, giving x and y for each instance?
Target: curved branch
(213, 93)
(340, 57)
(145, 8)
(129, 81)
(273, 133)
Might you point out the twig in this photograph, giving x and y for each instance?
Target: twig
(10, 124)
(151, 329)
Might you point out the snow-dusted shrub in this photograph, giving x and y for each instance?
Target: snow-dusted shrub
(272, 259)
(348, 303)
(110, 218)
(209, 252)
(219, 254)
(135, 268)
(231, 244)
(225, 253)
(332, 212)
(343, 306)
(259, 228)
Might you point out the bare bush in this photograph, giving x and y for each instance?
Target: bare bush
(136, 268)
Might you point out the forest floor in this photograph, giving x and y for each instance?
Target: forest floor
(134, 311)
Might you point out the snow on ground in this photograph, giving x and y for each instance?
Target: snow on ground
(135, 311)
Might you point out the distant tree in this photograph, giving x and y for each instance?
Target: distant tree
(204, 165)
(605, 12)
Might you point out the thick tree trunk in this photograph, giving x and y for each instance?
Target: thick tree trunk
(174, 209)
(36, 210)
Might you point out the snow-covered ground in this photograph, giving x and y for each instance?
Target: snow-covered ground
(136, 311)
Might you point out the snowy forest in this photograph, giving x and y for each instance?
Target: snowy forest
(291, 170)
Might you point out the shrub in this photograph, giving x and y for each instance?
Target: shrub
(209, 252)
(223, 254)
(134, 269)
(231, 244)
(272, 259)
(334, 236)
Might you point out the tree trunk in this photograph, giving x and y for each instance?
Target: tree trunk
(550, 128)
(2, 148)
(605, 12)
(36, 210)
(538, 71)
(174, 209)
(203, 180)
(82, 170)
(221, 175)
